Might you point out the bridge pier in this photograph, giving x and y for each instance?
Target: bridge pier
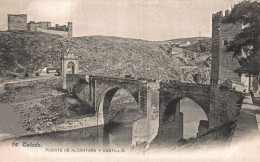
(146, 128)
(171, 123)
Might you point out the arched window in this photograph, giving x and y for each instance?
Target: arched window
(71, 68)
(226, 43)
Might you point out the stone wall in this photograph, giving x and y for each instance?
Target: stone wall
(224, 106)
(57, 32)
(171, 130)
(146, 128)
(203, 127)
(33, 84)
(44, 25)
(75, 83)
(17, 22)
(32, 27)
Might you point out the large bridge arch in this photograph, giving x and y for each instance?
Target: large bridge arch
(104, 108)
(105, 98)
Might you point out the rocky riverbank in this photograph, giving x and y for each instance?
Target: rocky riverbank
(41, 106)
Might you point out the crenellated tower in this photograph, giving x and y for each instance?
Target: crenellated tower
(223, 63)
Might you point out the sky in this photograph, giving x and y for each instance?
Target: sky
(154, 20)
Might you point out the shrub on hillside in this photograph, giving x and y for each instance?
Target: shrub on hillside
(26, 74)
(37, 74)
(14, 76)
(20, 70)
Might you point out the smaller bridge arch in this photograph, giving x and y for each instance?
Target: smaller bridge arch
(171, 118)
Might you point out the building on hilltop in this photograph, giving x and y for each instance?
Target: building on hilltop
(19, 22)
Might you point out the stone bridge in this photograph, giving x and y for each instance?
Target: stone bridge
(171, 119)
(158, 103)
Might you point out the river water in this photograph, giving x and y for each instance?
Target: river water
(119, 132)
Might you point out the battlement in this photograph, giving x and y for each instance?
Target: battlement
(220, 15)
(224, 64)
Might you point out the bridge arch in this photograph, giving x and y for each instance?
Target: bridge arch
(107, 95)
(104, 103)
(172, 119)
(187, 115)
(176, 99)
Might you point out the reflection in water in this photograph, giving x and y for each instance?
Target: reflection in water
(118, 133)
(122, 112)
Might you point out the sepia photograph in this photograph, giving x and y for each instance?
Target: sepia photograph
(130, 80)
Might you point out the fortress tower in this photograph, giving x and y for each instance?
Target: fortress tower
(17, 22)
(223, 63)
(69, 29)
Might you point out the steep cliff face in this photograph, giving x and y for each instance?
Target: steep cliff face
(110, 56)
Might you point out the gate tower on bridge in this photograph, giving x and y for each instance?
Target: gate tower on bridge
(69, 63)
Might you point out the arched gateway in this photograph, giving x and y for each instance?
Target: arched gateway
(69, 65)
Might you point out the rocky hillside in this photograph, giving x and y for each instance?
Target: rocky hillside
(110, 56)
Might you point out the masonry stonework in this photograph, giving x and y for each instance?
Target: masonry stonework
(223, 102)
(17, 22)
(69, 65)
(224, 63)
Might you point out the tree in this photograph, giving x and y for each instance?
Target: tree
(246, 44)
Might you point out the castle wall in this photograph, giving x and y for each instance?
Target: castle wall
(44, 25)
(17, 22)
(32, 27)
(62, 28)
(224, 106)
(57, 32)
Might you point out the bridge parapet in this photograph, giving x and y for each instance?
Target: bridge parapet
(185, 88)
(112, 79)
(224, 106)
